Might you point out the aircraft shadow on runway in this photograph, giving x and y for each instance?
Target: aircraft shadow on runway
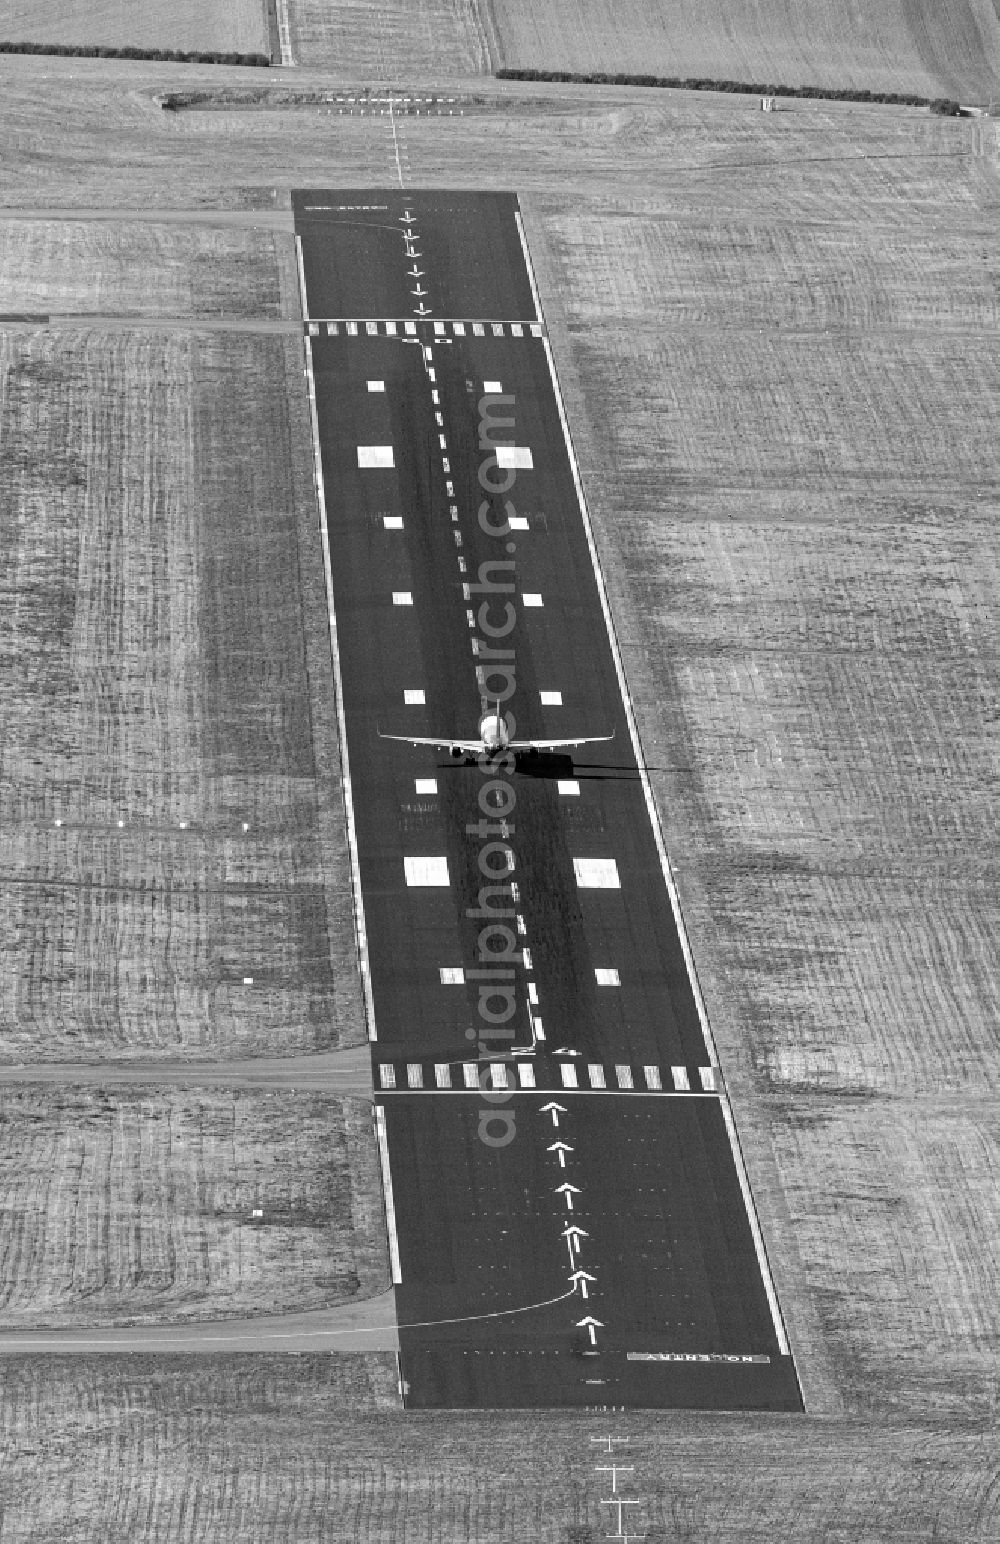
(553, 767)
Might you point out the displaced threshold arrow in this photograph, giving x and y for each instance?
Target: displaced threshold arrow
(591, 1325)
(579, 1279)
(555, 1110)
(560, 1149)
(569, 1191)
(572, 1234)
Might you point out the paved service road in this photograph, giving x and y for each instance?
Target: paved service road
(568, 1215)
(341, 1072)
(365, 1326)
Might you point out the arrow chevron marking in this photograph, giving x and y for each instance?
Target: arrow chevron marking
(591, 1325)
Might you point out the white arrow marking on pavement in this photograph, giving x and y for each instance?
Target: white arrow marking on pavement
(591, 1326)
(561, 1149)
(407, 234)
(415, 272)
(555, 1109)
(580, 1279)
(572, 1234)
(422, 310)
(418, 290)
(407, 217)
(569, 1191)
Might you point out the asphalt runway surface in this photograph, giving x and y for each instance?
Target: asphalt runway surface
(528, 983)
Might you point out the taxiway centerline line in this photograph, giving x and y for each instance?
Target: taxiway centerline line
(395, 143)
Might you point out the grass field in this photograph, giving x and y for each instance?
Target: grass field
(243, 1450)
(126, 268)
(238, 26)
(777, 340)
(929, 47)
(389, 42)
(132, 1206)
(158, 701)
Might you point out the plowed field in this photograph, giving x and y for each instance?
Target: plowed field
(931, 47)
(168, 800)
(235, 27)
(129, 1207)
(415, 39)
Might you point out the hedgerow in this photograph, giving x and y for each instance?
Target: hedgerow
(599, 78)
(104, 51)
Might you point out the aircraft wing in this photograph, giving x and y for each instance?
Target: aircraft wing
(467, 747)
(553, 745)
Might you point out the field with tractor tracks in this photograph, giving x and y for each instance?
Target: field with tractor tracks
(132, 1207)
(239, 26)
(928, 47)
(776, 335)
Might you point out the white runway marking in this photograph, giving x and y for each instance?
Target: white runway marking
(514, 458)
(375, 456)
(413, 696)
(338, 682)
(390, 1209)
(426, 872)
(549, 699)
(596, 873)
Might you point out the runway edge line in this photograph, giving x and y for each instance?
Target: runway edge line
(361, 931)
(654, 817)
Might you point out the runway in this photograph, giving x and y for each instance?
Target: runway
(553, 1123)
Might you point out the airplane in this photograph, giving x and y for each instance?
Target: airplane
(493, 737)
